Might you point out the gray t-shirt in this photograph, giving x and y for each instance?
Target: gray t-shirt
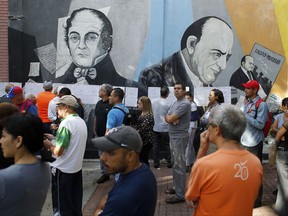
(23, 189)
(182, 109)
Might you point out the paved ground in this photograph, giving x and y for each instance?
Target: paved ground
(164, 180)
(94, 192)
(91, 171)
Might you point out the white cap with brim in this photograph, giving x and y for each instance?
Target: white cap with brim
(120, 137)
(68, 100)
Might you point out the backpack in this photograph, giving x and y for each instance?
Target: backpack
(268, 123)
(128, 118)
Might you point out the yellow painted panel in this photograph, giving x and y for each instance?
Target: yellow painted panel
(263, 23)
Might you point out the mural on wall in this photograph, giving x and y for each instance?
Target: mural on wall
(206, 46)
(145, 43)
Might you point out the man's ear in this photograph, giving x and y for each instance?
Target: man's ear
(218, 131)
(191, 43)
(19, 140)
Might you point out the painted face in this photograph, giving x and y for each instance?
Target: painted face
(248, 64)
(8, 144)
(212, 51)
(115, 161)
(85, 43)
(178, 91)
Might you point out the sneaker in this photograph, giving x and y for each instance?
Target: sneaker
(156, 164)
(103, 178)
(174, 200)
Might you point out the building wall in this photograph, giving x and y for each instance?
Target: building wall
(3, 40)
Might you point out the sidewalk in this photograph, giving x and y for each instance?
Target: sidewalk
(91, 172)
(93, 192)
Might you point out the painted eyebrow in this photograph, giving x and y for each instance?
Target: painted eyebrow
(74, 32)
(222, 53)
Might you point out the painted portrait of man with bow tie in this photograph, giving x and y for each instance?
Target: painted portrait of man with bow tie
(89, 39)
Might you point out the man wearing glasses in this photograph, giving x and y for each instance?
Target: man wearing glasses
(227, 181)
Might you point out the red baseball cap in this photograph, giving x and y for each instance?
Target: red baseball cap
(14, 91)
(252, 84)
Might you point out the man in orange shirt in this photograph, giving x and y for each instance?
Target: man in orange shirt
(227, 181)
(43, 100)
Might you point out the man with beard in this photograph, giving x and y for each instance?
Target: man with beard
(135, 193)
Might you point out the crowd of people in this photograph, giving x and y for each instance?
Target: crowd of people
(218, 179)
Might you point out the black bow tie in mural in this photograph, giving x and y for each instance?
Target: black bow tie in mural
(84, 72)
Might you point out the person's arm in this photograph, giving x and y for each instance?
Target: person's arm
(52, 115)
(55, 150)
(204, 144)
(172, 118)
(111, 120)
(275, 126)
(281, 132)
(261, 118)
(61, 142)
(101, 205)
(194, 186)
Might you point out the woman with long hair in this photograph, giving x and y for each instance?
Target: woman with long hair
(144, 126)
(24, 185)
(215, 98)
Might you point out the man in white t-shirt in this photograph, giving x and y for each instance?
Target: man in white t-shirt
(68, 147)
(160, 109)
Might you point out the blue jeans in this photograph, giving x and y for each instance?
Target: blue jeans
(67, 193)
(281, 207)
(178, 147)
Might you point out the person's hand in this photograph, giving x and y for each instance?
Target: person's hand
(176, 122)
(47, 143)
(54, 126)
(191, 203)
(49, 136)
(204, 138)
(204, 144)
